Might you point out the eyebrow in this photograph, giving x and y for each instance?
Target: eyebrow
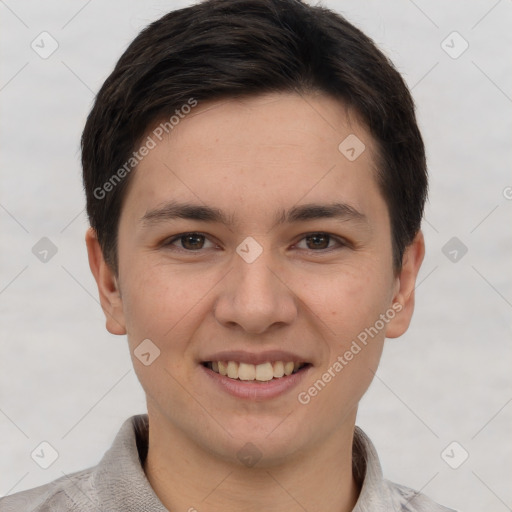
(176, 210)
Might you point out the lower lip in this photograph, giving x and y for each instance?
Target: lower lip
(255, 390)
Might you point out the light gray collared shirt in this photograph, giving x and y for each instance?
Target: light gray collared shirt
(118, 483)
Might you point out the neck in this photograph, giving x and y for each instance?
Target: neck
(186, 477)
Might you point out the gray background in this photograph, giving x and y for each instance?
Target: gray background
(64, 379)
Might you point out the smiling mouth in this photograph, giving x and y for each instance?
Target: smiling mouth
(258, 373)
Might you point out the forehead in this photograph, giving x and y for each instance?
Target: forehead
(252, 155)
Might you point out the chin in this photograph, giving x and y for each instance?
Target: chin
(269, 441)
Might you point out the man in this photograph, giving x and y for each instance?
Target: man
(255, 184)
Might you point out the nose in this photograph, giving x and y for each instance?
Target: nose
(255, 297)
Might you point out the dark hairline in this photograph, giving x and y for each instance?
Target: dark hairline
(364, 79)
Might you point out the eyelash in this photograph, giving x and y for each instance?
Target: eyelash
(340, 241)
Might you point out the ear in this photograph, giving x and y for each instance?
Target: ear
(405, 285)
(110, 297)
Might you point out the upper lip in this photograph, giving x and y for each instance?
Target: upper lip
(243, 356)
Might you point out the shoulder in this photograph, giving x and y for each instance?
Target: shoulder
(61, 495)
(378, 493)
(118, 476)
(405, 499)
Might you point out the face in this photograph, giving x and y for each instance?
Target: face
(249, 243)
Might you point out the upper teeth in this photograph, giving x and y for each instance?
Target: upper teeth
(262, 372)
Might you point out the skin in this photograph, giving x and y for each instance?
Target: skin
(252, 158)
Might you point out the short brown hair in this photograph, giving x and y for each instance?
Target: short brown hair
(218, 49)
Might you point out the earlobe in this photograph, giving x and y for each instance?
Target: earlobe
(406, 283)
(110, 296)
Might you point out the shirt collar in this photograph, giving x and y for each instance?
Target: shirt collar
(374, 495)
(119, 478)
(121, 483)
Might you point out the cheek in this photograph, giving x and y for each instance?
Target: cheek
(345, 307)
(349, 303)
(346, 299)
(163, 304)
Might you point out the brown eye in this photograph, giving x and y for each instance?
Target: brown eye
(318, 241)
(188, 242)
(193, 241)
